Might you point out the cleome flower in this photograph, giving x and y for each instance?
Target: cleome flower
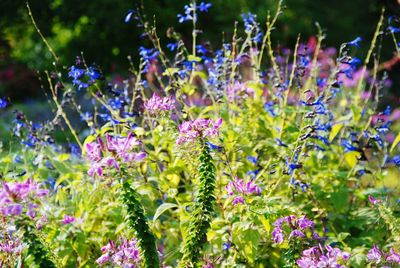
(318, 257)
(239, 188)
(375, 255)
(17, 198)
(157, 104)
(198, 129)
(295, 227)
(125, 254)
(117, 150)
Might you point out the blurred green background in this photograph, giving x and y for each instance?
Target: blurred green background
(97, 29)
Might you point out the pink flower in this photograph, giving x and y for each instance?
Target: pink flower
(68, 219)
(126, 254)
(393, 256)
(241, 188)
(198, 129)
(156, 104)
(373, 201)
(15, 197)
(118, 149)
(374, 254)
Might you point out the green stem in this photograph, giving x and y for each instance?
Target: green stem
(36, 247)
(202, 210)
(138, 222)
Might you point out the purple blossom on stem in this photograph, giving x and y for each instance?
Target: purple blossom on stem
(116, 150)
(298, 228)
(15, 197)
(126, 254)
(241, 188)
(156, 104)
(68, 219)
(317, 257)
(198, 129)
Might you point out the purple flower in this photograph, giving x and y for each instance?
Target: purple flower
(278, 236)
(16, 197)
(239, 188)
(373, 201)
(156, 104)
(393, 256)
(68, 219)
(125, 254)
(317, 257)
(198, 129)
(374, 254)
(117, 150)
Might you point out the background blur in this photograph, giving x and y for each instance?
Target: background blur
(97, 29)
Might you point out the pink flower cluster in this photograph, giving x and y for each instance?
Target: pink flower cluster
(198, 129)
(238, 90)
(240, 188)
(296, 226)
(11, 247)
(156, 104)
(126, 254)
(317, 257)
(116, 150)
(15, 197)
(377, 256)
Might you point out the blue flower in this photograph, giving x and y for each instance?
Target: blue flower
(387, 111)
(252, 159)
(249, 20)
(396, 160)
(226, 246)
(392, 28)
(76, 73)
(148, 55)
(128, 16)
(280, 143)
(269, 107)
(172, 46)
(3, 103)
(348, 147)
(93, 73)
(355, 42)
(203, 7)
(214, 147)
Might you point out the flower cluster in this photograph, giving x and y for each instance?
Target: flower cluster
(82, 78)
(126, 254)
(190, 11)
(198, 129)
(239, 188)
(11, 246)
(238, 90)
(117, 149)
(16, 198)
(317, 257)
(377, 256)
(157, 104)
(298, 228)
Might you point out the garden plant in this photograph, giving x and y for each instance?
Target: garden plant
(239, 154)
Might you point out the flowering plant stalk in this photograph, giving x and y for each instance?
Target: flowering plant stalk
(137, 221)
(202, 210)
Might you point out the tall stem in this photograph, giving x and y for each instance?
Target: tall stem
(196, 234)
(137, 221)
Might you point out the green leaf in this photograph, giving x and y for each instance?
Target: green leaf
(395, 142)
(161, 209)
